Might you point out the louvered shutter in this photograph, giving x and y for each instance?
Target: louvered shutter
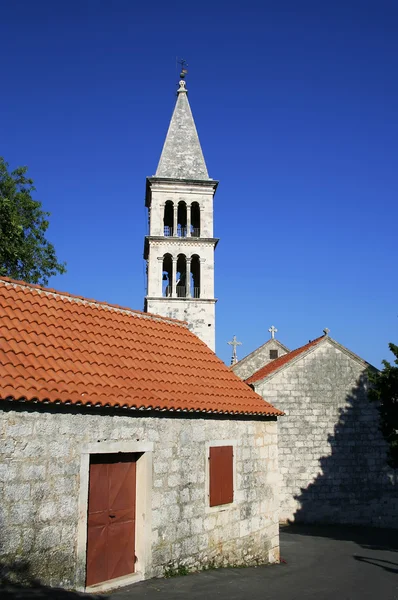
(221, 475)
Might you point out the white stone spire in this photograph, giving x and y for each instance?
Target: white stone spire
(182, 156)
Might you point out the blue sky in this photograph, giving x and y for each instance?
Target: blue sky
(296, 108)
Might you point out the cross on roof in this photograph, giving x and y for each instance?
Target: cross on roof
(234, 343)
(272, 331)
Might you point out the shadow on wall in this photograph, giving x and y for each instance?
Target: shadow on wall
(356, 486)
(17, 583)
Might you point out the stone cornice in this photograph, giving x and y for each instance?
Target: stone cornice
(170, 299)
(183, 240)
(183, 182)
(178, 185)
(176, 242)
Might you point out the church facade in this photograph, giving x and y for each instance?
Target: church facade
(179, 249)
(332, 456)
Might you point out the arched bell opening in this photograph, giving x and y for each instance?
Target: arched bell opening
(182, 219)
(195, 276)
(167, 275)
(181, 288)
(168, 218)
(195, 219)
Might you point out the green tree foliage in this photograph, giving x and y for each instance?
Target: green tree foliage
(24, 251)
(384, 390)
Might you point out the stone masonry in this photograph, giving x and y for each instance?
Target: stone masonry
(40, 459)
(199, 313)
(258, 359)
(332, 456)
(182, 181)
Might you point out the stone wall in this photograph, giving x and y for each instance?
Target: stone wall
(200, 313)
(177, 191)
(332, 456)
(40, 463)
(258, 359)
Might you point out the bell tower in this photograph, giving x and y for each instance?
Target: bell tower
(179, 249)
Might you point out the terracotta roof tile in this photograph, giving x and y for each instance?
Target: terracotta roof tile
(55, 347)
(276, 364)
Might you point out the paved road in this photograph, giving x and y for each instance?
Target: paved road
(322, 563)
(328, 563)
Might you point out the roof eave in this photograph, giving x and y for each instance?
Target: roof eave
(153, 409)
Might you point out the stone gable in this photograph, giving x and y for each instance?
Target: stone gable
(332, 456)
(259, 358)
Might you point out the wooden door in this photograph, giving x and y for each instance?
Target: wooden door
(111, 517)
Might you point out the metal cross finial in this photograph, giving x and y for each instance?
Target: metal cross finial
(326, 331)
(272, 331)
(234, 343)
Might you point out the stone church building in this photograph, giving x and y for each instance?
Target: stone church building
(332, 456)
(127, 447)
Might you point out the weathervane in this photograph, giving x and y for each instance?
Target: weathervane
(184, 69)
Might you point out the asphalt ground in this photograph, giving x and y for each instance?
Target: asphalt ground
(322, 563)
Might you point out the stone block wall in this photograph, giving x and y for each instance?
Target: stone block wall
(332, 456)
(173, 246)
(200, 315)
(162, 191)
(40, 468)
(257, 359)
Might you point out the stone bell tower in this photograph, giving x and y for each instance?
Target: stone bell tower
(179, 249)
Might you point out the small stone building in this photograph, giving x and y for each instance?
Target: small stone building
(127, 447)
(332, 456)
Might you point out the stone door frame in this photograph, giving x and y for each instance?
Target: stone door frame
(143, 512)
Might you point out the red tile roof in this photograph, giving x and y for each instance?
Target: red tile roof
(276, 364)
(59, 348)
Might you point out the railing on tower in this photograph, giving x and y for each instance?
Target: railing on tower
(181, 231)
(168, 231)
(181, 291)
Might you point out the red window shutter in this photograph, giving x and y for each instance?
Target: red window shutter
(221, 475)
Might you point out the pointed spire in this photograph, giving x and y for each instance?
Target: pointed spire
(182, 156)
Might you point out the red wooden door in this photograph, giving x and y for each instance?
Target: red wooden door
(111, 517)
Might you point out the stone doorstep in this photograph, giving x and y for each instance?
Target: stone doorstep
(114, 584)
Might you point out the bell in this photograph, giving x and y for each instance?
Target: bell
(165, 278)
